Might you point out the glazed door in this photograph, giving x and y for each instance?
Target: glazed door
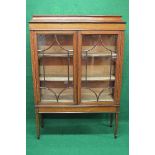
(97, 67)
(57, 67)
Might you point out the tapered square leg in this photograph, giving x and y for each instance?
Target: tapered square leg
(37, 125)
(116, 125)
(111, 119)
(42, 120)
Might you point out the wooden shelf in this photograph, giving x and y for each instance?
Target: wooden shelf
(88, 95)
(54, 55)
(55, 78)
(97, 54)
(48, 96)
(56, 51)
(106, 98)
(67, 96)
(99, 51)
(114, 55)
(52, 101)
(99, 78)
(83, 78)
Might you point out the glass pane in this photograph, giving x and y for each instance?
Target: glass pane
(98, 67)
(55, 54)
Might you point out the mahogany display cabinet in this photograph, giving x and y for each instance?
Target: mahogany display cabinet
(77, 65)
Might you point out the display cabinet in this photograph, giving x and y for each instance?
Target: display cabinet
(77, 65)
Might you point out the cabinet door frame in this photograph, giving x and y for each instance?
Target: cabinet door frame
(118, 74)
(35, 66)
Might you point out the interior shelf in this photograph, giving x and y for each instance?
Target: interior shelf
(106, 98)
(56, 78)
(56, 51)
(51, 94)
(67, 95)
(54, 55)
(83, 78)
(99, 78)
(100, 54)
(88, 94)
(89, 55)
(51, 101)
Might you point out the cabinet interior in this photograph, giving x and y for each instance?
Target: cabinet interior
(56, 65)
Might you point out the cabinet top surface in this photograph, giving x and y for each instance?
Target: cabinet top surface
(76, 19)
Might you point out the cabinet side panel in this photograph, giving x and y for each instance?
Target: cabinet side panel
(34, 65)
(119, 63)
